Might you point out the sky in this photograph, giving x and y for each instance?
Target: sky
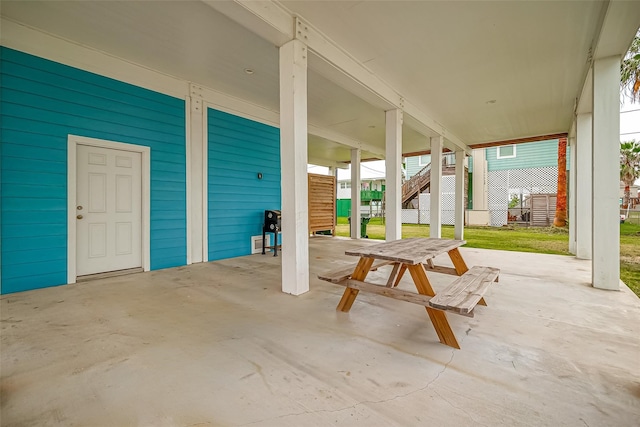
(629, 129)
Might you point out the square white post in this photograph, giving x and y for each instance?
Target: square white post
(393, 162)
(355, 193)
(459, 194)
(584, 162)
(293, 161)
(571, 205)
(606, 173)
(196, 145)
(435, 224)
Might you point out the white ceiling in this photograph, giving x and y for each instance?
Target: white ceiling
(447, 57)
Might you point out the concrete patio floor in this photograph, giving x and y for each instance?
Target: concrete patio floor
(219, 344)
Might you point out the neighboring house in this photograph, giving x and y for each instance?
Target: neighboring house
(415, 164)
(514, 172)
(498, 175)
(371, 197)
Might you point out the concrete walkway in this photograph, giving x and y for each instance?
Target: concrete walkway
(218, 344)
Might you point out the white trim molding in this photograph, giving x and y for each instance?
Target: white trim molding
(19, 37)
(72, 143)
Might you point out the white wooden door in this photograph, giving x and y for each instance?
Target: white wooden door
(108, 211)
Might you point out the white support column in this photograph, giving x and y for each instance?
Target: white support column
(459, 194)
(435, 224)
(584, 163)
(480, 182)
(571, 205)
(355, 193)
(293, 160)
(393, 167)
(606, 173)
(196, 144)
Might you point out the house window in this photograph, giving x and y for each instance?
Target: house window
(345, 184)
(424, 160)
(506, 151)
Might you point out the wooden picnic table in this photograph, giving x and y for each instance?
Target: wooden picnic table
(416, 255)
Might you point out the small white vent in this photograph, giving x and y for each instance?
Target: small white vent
(256, 243)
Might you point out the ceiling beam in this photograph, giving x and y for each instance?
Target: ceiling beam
(344, 140)
(520, 140)
(239, 107)
(272, 21)
(615, 31)
(324, 47)
(267, 19)
(318, 161)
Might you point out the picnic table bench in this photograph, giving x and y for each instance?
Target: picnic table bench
(416, 255)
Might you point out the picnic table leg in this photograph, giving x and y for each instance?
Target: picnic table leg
(461, 266)
(438, 318)
(403, 268)
(359, 273)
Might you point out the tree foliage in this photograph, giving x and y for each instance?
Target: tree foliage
(629, 166)
(630, 71)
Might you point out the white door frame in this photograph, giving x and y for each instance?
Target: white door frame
(72, 142)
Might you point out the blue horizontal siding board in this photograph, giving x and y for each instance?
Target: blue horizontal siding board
(26, 230)
(238, 149)
(86, 99)
(27, 139)
(95, 130)
(25, 165)
(174, 234)
(35, 255)
(37, 178)
(227, 121)
(12, 271)
(21, 151)
(159, 157)
(103, 122)
(77, 78)
(25, 190)
(175, 196)
(158, 186)
(42, 103)
(37, 203)
(240, 140)
(32, 242)
(115, 115)
(34, 281)
(33, 217)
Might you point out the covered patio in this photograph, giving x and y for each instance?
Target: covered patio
(220, 344)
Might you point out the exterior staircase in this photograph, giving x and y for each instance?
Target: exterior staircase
(420, 182)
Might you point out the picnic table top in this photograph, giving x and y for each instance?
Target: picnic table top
(411, 251)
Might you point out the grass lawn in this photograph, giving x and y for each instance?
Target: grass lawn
(540, 240)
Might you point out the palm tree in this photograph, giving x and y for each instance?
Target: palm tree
(560, 219)
(630, 71)
(629, 166)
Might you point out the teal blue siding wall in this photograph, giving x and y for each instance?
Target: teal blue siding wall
(238, 150)
(529, 155)
(42, 102)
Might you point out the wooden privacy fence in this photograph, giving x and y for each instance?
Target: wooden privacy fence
(322, 203)
(543, 209)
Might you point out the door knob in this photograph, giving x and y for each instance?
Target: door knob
(79, 217)
(79, 208)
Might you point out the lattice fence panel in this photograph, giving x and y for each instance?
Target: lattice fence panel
(504, 184)
(447, 208)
